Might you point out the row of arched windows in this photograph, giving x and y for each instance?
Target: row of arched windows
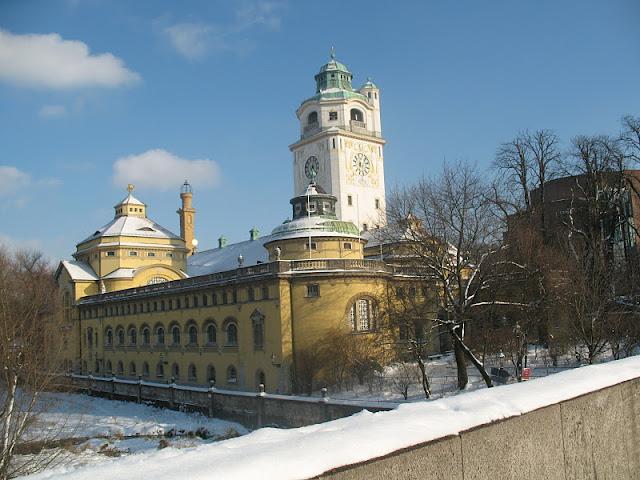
(190, 336)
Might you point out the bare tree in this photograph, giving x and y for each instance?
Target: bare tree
(403, 378)
(28, 314)
(631, 137)
(451, 240)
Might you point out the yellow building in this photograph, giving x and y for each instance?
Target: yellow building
(139, 302)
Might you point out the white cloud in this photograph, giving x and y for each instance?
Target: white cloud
(52, 111)
(49, 61)
(194, 40)
(12, 180)
(159, 169)
(191, 40)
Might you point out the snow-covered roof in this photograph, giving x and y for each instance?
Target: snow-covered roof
(226, 258)
(79, 270)
(129, 200)
(133, 227)
(121, 273)
(315, 226)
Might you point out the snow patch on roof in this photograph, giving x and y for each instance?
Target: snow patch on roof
(79, 270)
(226, 258)
(133, 227)
(129, 200)
(121, 273)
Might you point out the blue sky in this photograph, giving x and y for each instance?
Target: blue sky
(95, 91)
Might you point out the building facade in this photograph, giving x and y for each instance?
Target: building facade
(139, 301)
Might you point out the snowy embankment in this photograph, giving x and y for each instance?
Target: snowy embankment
(308, 451)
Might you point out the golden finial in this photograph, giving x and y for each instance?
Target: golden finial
(130, 188)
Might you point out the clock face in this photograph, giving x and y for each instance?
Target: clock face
(361, 164)
(311, 167)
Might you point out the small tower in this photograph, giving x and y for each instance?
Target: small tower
(130, 206)
(187, 217)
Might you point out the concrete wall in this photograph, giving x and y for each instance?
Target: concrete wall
(595, 436)
(252, 410)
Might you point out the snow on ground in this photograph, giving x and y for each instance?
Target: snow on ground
(308, 451)
(101, 430)
(85, 416)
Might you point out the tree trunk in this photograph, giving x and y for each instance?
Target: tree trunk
(425, 381)
(464, 351)
(461, 362)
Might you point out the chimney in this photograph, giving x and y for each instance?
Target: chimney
(254, 233)
(222, 241)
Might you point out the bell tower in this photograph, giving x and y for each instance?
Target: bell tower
(341, 145)
(187, 218)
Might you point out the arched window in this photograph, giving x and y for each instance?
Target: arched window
(361, 316)
(120, 368)
(312, 118)
(211, 373)
(108, 337)
(109, 367)
(120, 336)
(175, 371)
(357, 115)
(97, 367)
(192, 374)
(257, 322)
(232, 335)
(146, 336)
(175, 335)
(132, 368)
(156, 280)
(211, 334)
(193, 335)
(145, 369)
(232, 375)
(261, 379)
(160, 369)
(133, 336)
(160, 335)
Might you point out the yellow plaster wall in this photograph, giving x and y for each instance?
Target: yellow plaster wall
(326, 247)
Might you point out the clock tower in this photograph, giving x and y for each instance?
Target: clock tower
(341, 145)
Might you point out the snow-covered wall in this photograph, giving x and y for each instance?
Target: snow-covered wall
(579, 424)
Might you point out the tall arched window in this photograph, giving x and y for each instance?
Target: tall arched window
(160, 335)
(232, 335)
(232, 375)
(175, 335)
(109, 367)
(120, 368)
(193, 335)
(160, 369)
(361, 315)
(211, 373)
(133, 336)
(357, 115)
(192, 373)
(211, 334)
(257, 323)
(132, 368)
(146, 336)
(312, 118)
(120, 336)
(108, 337)
(145, 369)
(261, 379)
(175, 371)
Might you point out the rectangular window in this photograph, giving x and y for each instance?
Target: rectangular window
(195, 301)
(234, 296)
(224, 298)
(311, 206)
(333, 115)
(214, 298)
(170, 304)
(365, 227)
(178, 304)
(349, 200)
(265, 293)
(377, 204)
(162, 305)
(151, 254)
(205, 300)
(412, 291)
(133, 254)
(250, 294)
(347, 246)
(111, 253)
(169, 254)
(313, 290)
(314, 246)
(186, 302)
(400, 292)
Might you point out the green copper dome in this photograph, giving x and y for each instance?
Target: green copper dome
(333, 75)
